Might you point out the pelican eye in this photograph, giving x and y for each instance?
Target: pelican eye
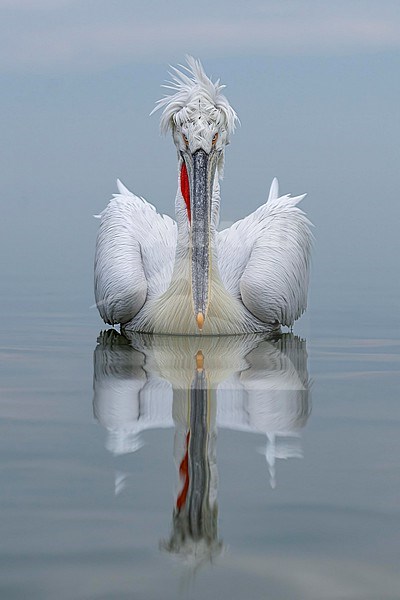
(185, 139)
(214, 140)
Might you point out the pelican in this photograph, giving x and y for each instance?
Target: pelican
(157, 275)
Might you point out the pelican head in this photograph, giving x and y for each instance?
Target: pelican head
(201, 121)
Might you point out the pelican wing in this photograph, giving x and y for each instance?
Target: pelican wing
(264, 259)
(134, 258)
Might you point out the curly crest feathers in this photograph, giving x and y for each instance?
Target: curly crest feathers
(194, 92)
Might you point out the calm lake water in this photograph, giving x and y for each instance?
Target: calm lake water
(172, 468)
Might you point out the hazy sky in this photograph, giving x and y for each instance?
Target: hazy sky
(316, 86)
(54, 35)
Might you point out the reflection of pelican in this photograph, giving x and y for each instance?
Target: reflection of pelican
(261, 386)
(155, 275)
(196, 385)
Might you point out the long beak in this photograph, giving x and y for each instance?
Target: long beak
(202, 176)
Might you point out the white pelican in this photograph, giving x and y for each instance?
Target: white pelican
(155, 275)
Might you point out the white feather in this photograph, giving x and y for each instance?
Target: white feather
(274, 190)
(122, 189)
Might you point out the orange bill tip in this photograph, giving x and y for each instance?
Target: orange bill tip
(200, 320)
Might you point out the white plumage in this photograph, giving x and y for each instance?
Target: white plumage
(155, 275)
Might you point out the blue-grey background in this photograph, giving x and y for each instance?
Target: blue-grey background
(316, 86)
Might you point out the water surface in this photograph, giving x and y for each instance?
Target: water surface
(185, 468)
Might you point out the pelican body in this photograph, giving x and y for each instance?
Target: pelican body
(157, 275)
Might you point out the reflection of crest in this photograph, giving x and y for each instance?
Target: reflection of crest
(197, 384)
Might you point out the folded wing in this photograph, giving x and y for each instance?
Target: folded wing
(264, 259)
(134, 258)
